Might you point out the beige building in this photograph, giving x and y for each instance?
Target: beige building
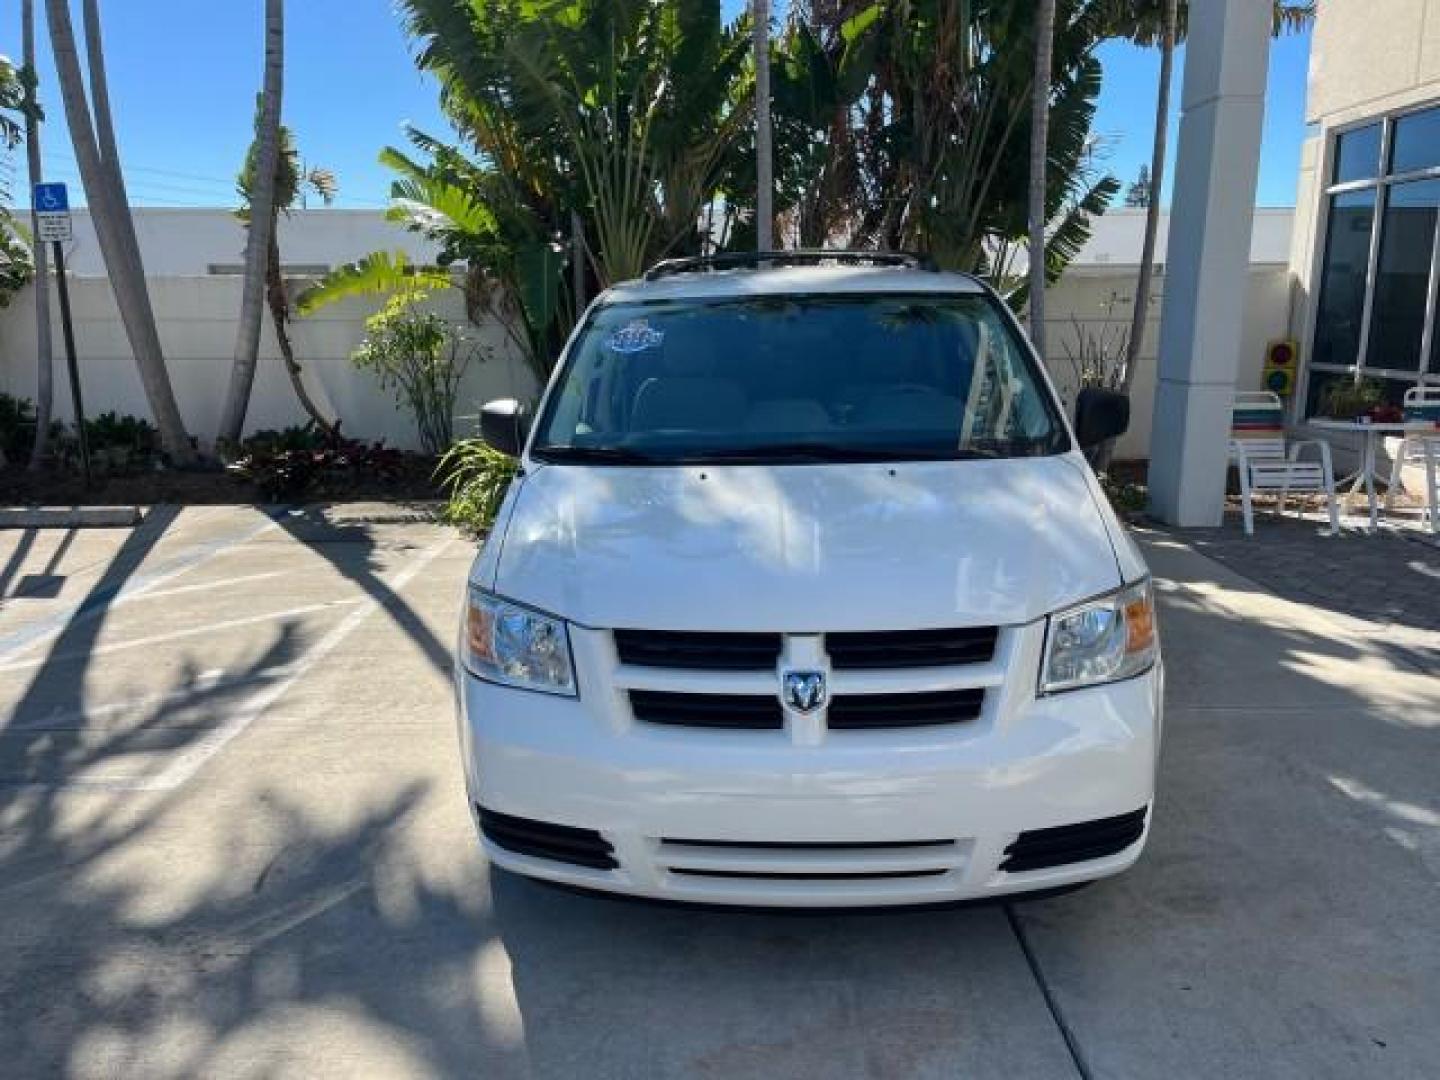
(1365, 259)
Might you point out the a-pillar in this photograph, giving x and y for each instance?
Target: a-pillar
(1222, 108)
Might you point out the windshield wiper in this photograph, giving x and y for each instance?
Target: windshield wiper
(592, 455)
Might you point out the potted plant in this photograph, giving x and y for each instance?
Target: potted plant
(1347, 400)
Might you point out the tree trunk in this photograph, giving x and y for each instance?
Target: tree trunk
(1140, 316)
(764, 162)
(280, 316)
(261, 230)
(105, 127)
(1157, 179)
(44, 349)
(1039, 146)
(111, 217)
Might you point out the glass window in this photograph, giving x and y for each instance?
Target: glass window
(1342, 278)
(759, 379)
(1357, 155)
(1402, 278)
(1416, 142)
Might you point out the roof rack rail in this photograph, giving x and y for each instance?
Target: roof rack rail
(697, 264)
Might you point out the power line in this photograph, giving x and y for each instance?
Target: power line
(69, 173)
(228, 184)
(179, 194)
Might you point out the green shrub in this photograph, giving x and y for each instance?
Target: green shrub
(420, 356)
(476, 477)
(306, 436)
(284, 474)
(118, 443)
(17, 428)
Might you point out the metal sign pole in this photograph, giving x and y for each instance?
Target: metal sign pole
(69, 331)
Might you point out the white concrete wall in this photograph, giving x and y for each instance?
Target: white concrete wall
(1116, 238)
(196, 317)
(1367, 58)
(186, 242)
(1086, 294)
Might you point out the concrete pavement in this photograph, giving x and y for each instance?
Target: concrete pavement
(233, 842)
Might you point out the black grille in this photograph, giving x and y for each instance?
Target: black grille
(1065, 844)
(912, 648)
(541, 840)
(760, 712)
(905, 710)
(698, 651)
(810, 845)
(812, 875)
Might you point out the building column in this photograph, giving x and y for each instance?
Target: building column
(1207, 263)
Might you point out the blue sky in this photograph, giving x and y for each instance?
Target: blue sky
(183, 79)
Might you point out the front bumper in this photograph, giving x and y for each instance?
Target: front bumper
(898, 816)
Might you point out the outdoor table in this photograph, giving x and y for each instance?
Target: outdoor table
(1370, 432)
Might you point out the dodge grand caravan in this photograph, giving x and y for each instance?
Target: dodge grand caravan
(805, 595)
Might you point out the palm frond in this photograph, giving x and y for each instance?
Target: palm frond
(431, 206)
(375, 275)
(322, 181)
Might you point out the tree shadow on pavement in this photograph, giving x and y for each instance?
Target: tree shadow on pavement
(1282, 919)
(335, 918)
(354, 551)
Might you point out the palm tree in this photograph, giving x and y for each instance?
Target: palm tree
(1163, 23)
(44, 348)
(1141, 311)
(261, 221)
(764, 162)
(105, 192)
(1039, 121)
(289, 181)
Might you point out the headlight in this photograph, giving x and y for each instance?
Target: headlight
(1100, 641)
(514, 645)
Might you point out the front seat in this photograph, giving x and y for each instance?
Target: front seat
(687, 395)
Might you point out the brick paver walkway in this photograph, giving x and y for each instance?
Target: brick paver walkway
(1391, 578)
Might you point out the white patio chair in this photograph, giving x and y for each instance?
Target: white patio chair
(1420, 446)
(1266, 463)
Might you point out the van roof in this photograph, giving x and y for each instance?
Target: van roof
(782, 280)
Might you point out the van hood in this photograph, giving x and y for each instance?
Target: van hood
(800, 548)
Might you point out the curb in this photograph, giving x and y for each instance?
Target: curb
(70, 517)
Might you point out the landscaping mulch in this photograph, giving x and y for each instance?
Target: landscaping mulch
(412, 480)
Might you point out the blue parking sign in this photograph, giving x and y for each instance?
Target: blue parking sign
(52, 198)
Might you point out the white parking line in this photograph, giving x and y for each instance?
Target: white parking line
(187, 762)
(102, 601)
(202, 586)
(175, 635)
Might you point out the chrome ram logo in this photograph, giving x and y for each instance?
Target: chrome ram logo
(803, 691)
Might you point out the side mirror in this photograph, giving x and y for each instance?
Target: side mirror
(503, 424)
(1100, 415)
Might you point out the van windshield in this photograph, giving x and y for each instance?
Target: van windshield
(798, 379)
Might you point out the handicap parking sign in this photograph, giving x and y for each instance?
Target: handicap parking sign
(52, 199)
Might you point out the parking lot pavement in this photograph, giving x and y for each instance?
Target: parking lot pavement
(233, 842)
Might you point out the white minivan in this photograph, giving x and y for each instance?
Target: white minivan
(805, 595)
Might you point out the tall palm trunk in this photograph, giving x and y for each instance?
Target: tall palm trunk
(44, 348)
(280, 316)
(262, 228)
(1152, 209)
(111, 216)
(105, 125)
(1039, 146)
(764, 163)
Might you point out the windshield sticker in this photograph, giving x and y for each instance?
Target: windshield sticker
(636, 336)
